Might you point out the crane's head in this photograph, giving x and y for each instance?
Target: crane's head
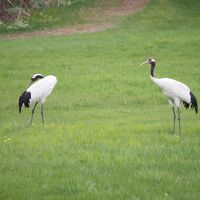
(24, 100)
(149, 61)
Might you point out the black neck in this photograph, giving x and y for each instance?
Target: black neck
(152, 69)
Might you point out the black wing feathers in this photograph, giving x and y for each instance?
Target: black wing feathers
(194, 104)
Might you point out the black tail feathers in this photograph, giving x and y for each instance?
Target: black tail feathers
(24, 99)
(194, 104)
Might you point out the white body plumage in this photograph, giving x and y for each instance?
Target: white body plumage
(176, 91)
(42, 89)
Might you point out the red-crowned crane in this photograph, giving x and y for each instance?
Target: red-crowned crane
(37, 92)
(175, 91)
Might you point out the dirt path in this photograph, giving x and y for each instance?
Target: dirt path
(94, 18)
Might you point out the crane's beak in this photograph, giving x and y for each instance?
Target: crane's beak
(146, 62)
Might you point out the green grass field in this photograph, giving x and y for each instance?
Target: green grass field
(107, 131)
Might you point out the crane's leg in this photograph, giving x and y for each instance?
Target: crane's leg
(42, 113)
(174, 119)
(179, 121)
(33, 113)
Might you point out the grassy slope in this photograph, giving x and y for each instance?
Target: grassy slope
(107, 126)
(53, 17)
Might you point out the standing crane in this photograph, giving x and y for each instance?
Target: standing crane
(175, 91)
(37, 92)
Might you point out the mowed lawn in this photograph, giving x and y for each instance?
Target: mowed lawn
(107, 131)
